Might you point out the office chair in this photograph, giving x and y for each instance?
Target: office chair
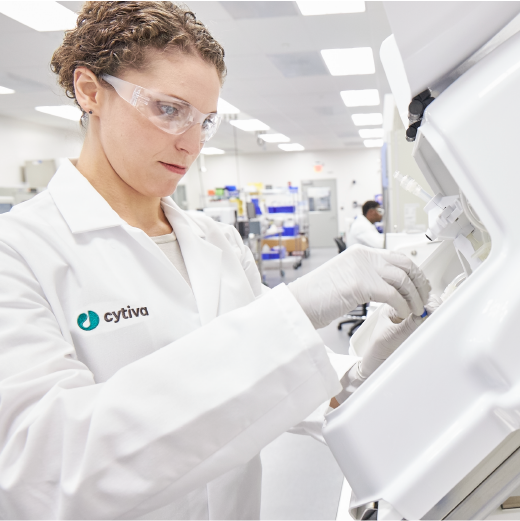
(356, 318)
(340, 243)
(358, 315)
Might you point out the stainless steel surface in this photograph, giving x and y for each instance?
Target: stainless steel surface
(485, 487)
(512, 502)
(366, 511)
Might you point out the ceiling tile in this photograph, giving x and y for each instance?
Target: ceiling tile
(240, 10)
(297, 64)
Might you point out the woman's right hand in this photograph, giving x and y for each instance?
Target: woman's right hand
(357, 276)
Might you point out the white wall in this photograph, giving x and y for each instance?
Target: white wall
(362, 166)
(21, 141)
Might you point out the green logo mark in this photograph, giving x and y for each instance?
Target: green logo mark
(93, 321)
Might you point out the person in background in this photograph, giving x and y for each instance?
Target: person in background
(363, 230)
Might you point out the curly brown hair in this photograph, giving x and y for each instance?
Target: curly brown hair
(112, 35)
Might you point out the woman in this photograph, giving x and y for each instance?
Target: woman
(143, 365)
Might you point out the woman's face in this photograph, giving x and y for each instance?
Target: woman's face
(145, 157)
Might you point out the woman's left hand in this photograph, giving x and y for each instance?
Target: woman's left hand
(390, 332)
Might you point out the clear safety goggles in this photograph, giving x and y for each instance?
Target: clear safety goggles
(380, 211)
(170, 114)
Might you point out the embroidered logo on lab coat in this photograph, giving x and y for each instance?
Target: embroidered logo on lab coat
(93, 321)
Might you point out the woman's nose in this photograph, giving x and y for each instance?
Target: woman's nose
(190, 141)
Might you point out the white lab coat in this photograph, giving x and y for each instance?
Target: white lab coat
(161, 415)
(362, 231)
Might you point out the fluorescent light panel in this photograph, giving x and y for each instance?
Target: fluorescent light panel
(223, 107)
(330, 7)
(62, 111)
(366, 133)
(360, 98)
(274, 138)
(361, 120)
(211, 151)
(373, 143)
(41, 16)
(5, 90)
(349, 62)
(292, 147)
(249, 125)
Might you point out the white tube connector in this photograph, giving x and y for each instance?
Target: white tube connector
(412, 186)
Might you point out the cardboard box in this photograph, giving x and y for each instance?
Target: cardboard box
(291, 244)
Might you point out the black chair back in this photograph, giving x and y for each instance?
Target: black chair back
(340, 243)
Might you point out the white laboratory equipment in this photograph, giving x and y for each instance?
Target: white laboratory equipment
(223, 214)
(39, 172)
(414, 245)
(434, 433)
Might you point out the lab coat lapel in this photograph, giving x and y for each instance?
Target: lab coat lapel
(203, 261)
(147, 243)
(81, 206)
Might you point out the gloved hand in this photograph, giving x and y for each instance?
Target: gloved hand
(359, 275)
(390, 332)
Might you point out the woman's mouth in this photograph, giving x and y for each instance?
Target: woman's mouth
(176, 169)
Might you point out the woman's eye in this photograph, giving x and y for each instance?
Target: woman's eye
(208, 123)
(167, 109)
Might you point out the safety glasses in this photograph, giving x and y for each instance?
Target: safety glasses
(170, 114)
(380, 211)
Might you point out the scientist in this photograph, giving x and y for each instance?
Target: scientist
(143, 365)
(363, 230)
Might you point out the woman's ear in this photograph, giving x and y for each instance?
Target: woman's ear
(87, 89)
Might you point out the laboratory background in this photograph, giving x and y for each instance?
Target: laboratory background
(389, 124)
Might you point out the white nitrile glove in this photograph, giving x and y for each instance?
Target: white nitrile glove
(359, 275)
(390, 332)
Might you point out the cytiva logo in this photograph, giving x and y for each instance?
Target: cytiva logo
(125, 313)
(92, 318)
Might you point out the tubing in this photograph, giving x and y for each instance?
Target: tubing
(412, 186)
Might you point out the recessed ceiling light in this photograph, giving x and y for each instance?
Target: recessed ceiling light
(360, 98)
(367, 119)
(42, 16)
(5, 90)
(223, 107)
(348, 62)
(330, 7)
(291, 147)
(249, 124)
(274, 138)
(371, 132)
(62, 111)
(211, 151)
(373, 143)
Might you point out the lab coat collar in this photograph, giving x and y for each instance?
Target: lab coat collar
(203, 260)
(175, 214)
(84, 210)
(82, 207)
